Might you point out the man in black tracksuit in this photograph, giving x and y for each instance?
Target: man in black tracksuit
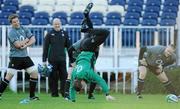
(54, 46)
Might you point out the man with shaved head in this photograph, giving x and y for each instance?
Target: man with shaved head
(54, 46)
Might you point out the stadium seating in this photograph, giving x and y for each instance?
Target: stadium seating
(27, 8)
(113, 22)
(132, 15)
(150, 19)
(12, 9)
(150, 15)
(11, 3)
(40, 21)
(79, 2)
(116, 8)
(64, 8)
(135, 9)
(64, 2)
(117, 2)
(172, 9)
(131, 12)
(168, 15)
(29, 2)
(153, 9)
(167, 22)
(5, 14)
(113, 18)
(131, 22)
(25, 15)
(42, 15)
(62, 16)
(47, 2)
(4, 21)
(75, 21)
(153, 3)
(149, 22)
(171, 3)
(100, 2)
(96, 15)
(47, 8)
(25, 21)
(138, 3)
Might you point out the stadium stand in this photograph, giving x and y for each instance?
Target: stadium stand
(29, 2)
(27, 8)
(117, 2)
(105, 12)
(147, 9)
(113, 18)
(62, 16)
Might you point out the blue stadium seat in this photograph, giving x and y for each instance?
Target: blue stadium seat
(11, 3)
(4, 21)
(25, 21)
(97, 21)
(9, 9)
(25, 15)
(167, 22)
(113, 18)
(149, 22)
(113, 15)
(170, 9)
(136, 9)
(40, 21)
(131, 22)
(27, 8)
(113, 22)
(97, 18)
(153, 9)
(5, 14)
(41, 15)
(117, 2)
(138, 3)
(132, 15)
(1, 1)
(168, 15)
(76, 15)
(60, 15)
(75, 21)
(153, 3)
(171, 3)
(150, 15)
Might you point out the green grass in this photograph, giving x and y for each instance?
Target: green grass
(11, 101)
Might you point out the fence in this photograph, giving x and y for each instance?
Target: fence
(118, 55)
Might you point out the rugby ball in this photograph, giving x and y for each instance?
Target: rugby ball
(171, 98)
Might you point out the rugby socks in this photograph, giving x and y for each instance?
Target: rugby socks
(169, 87)
(67, 86)
(91, 90)
(32, 86)
(87, 10)
(3, 85)
(140, 86)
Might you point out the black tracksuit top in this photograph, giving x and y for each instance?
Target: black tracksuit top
(54, 46)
